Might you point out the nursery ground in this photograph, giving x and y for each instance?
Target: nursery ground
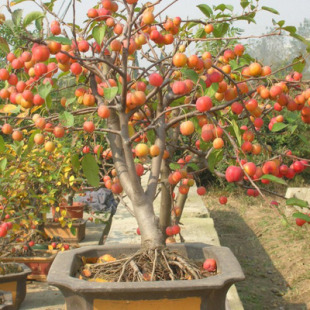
(274, 255)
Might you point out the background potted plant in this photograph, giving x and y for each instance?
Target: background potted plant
(165, 110)
(30, 185)
(13, 279)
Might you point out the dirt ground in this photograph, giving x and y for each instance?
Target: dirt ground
(274, 255)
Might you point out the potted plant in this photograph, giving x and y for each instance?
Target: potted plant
(162, 109)
(13, 279)
(24, 204)
(6, 301)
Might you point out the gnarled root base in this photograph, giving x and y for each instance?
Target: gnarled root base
(150, 265)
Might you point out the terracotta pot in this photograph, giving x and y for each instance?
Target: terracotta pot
(74, 211)
(39, 265)
(7, 303)
(54, 229)
(204, 294)
(16, 284)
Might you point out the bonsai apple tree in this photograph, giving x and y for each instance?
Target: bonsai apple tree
(167, 97)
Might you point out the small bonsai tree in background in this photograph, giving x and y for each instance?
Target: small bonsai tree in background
(165, 110)
(32, 181)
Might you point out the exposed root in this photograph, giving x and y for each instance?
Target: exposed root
(150, 265)
(154, 265)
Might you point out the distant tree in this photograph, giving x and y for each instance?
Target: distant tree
(266, 50)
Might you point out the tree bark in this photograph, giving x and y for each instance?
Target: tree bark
(165, 202)
(151, 235)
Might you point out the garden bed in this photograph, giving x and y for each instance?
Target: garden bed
(274, 256)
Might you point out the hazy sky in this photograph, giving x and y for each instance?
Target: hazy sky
(293, 12)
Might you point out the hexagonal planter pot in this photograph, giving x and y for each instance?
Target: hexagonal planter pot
(16, 284)
(39, 264)
(208, 293)
(6, 301)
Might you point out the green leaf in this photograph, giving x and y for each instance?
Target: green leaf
(200, 33)
(110, 93)
(272, 178)
(278, 127)
(223, 7)
(50, 5)
(66, 119)
(75, 161)
(203, 85)
(210, 91)
(220, 30)
(3, 164)
(205, 9)
(193, 166)
(17, 16)
(281, 23)
(99, 33)
(39, 24)
(91, 170)
(2, 144)
(190, 25)
(291, 117)
(304, 139)
(237, 131)
(44, 90)
(297, 202)
(293, 128)
(302, 216)
(151, 136)
(73, 230)
(299, 67)
(48, 101)
(190, 74)
(215, 157)
(4, 47)
(30, 143)
(290, 29)
(174, 166)
(300, 64)
(271, 10)
(301, 39)
(248, 18)
(70, 100)
(203, 145)
(244, 3)
(19, 1)
(62, 40)
(29, 18)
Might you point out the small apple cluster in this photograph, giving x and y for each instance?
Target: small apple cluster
(4, 228)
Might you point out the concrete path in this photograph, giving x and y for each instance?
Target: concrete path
(197, 227)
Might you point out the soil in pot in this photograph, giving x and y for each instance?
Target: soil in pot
(9, 268)
(151, 265)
